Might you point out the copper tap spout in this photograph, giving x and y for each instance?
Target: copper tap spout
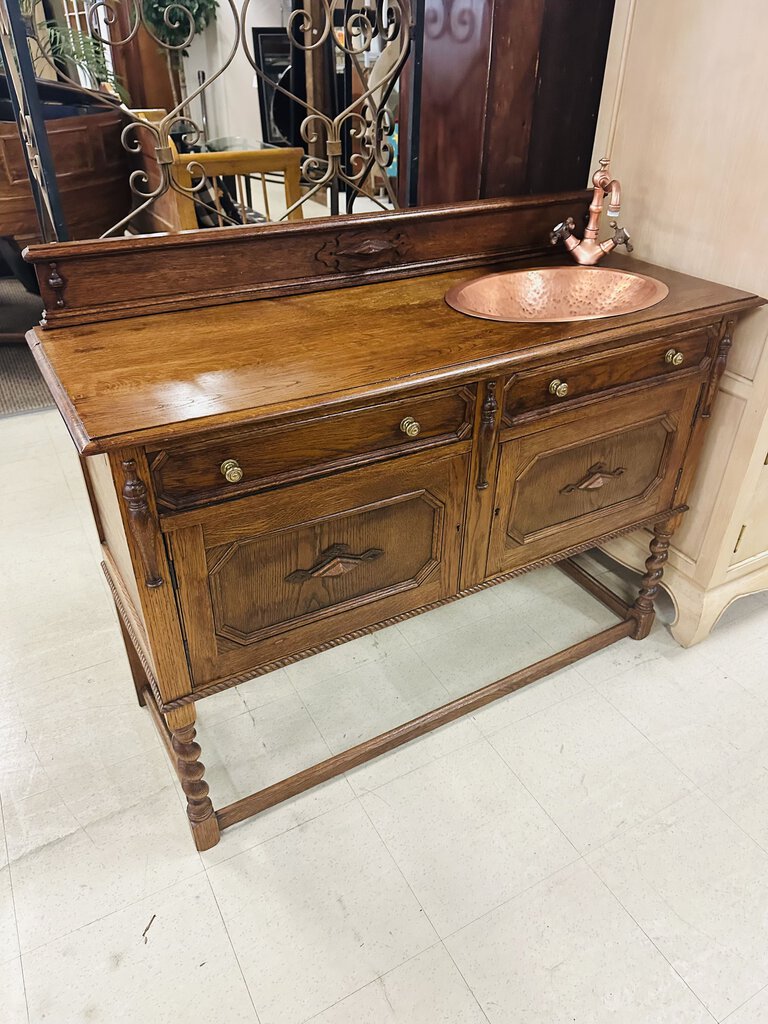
(602, 180)
(588, 250)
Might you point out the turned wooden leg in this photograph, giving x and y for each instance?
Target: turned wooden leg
(643, 610)
(190, 769)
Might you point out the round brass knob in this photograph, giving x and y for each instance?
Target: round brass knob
(231, 471)
(410, 427)
(674, 357)
(558, 388)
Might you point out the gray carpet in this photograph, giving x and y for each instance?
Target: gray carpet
(22, 389)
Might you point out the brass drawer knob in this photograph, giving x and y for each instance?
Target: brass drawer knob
(410, 427)
(231, 471)
(558, 388)
(673, 357)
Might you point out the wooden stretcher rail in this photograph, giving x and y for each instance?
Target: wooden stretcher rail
(357, 755)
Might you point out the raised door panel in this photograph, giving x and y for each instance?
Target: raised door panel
(752, 543)
(266, 578)
(587, 475)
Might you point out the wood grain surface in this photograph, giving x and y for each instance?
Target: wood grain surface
(260, 360)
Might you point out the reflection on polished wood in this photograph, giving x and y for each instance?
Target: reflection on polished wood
(341, 522)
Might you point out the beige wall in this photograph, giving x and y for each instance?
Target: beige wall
(692, 141)
(691, 151)
(232, 100)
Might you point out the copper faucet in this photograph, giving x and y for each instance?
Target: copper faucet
(588, 250)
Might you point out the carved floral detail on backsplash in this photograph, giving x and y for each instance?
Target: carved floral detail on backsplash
(363, 252)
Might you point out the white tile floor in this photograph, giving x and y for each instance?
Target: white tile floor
(593, 849)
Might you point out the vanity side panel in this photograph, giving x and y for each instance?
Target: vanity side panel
(151, 571)
(102, 490)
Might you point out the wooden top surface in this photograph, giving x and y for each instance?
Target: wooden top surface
(158, 377)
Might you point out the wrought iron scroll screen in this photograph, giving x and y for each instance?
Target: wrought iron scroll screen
(345, 148)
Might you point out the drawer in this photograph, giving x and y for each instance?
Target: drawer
(561, 383)
(266, 456)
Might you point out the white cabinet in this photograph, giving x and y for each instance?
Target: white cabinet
(691, 151)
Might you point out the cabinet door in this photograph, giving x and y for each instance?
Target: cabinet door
(266, 577)
(587, 473)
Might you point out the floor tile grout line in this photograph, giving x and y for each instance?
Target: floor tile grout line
(563, 867)
(733, 821)
(650, 939)
(695, 788)
(536, 801)
(372, 661)
(13, 905)
(639, 824)
(112, 913)
(538, 711)
(397, 867)
(432, 760)
(469, 987)
(571, 865)
(232, 947)
(310, 716)
(724, 1020)
(655, 746)
(82, 668)
(361, 988)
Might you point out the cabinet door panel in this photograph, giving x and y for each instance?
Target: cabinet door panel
(263, 578)
(586, 475)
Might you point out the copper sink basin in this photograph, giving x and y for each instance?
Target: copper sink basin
(556, 294)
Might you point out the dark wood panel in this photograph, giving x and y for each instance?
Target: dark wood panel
(512, 80)
(457, 40)
(109, 278)
(510, 95)
(574, 46)
(91, 171)
(142, 66)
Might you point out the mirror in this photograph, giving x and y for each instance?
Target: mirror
(184, 114)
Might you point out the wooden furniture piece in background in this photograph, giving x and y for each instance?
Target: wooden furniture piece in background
(241, 164)
(91, 171)
(274, 478)
(510, 96)
(174, 211)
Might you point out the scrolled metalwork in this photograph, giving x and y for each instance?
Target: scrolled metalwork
(347, 146)
(455, 19)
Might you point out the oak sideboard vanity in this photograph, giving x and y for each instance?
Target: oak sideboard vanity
(290, 440)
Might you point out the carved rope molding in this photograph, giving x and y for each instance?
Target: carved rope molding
(207, 691)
